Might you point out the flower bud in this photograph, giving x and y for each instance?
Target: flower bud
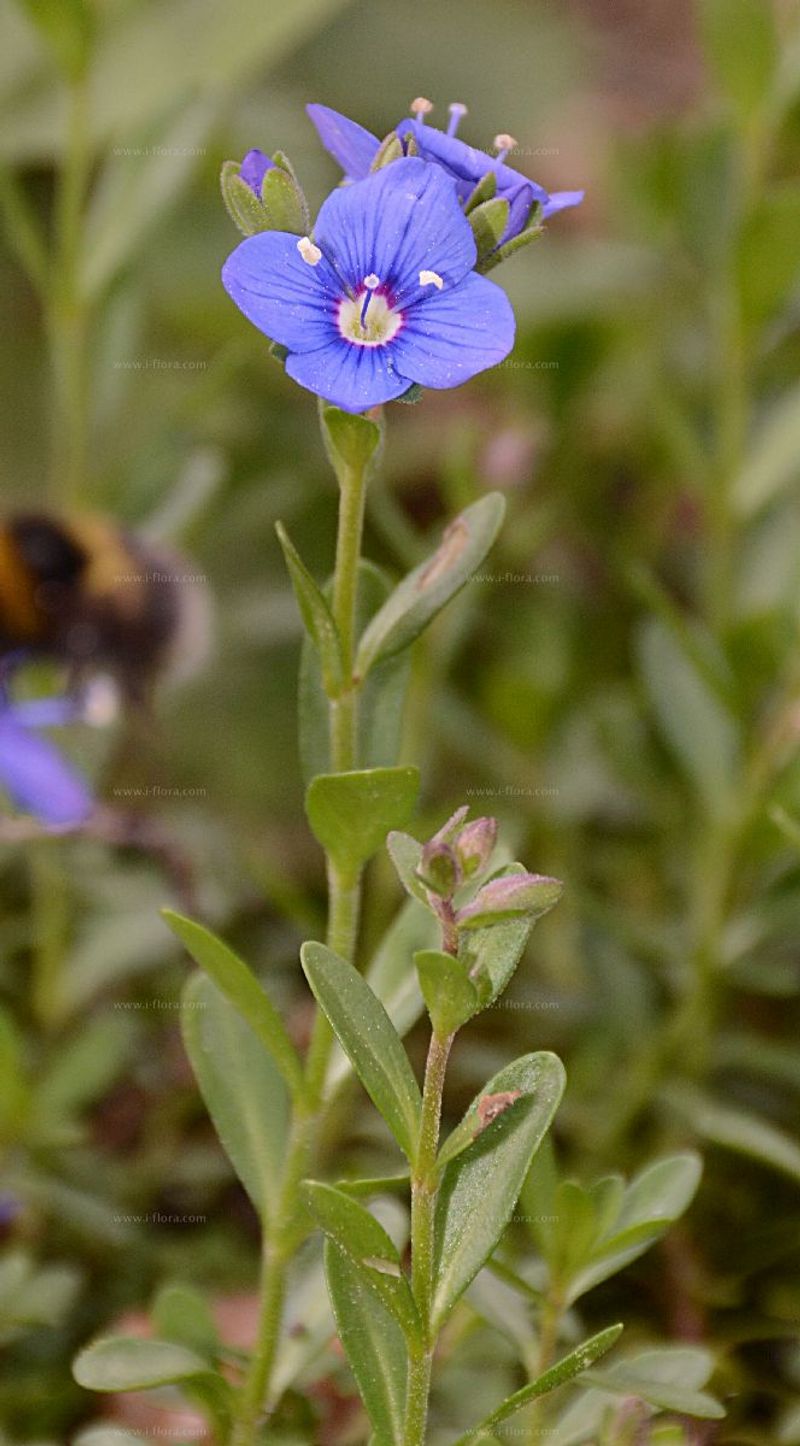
(474, 845)
(439, 869)
(264, 195)
(511, 897)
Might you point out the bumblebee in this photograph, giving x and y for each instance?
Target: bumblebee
(99, 599)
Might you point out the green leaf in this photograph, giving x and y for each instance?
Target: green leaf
(653, 1201)
(696, 724)
(14, 1093)
(742, 46)
(244, 992)
(242, 1089)
(351, 440)
(128, 1363)
(480, 1186)
(183, 1315)
(664, 1378)
(426, 590)
(368, 1037)
(560, 1374)
(356, 1232)
(84, 1066)
(488, 221)
(373, 1344)
(351, 813)
(772, 465)
(449, 994)
(737, 1130)
(317, 617)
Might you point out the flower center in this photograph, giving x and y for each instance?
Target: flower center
(368, 319)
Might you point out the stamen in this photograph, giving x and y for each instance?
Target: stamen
(457, 113)
(370, 282)
(421, 107)
(310, 253)
(431, 278)
(504, 144)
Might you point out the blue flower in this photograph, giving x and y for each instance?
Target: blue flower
(384, 296)
(32, 771)
(253, 169)
(355, 149)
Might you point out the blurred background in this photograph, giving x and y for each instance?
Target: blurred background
(621, 686)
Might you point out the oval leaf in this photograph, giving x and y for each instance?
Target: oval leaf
(480, 1186)
(351, 813)
(128, 1363)
(369, 1038)
(242, 989)
(373, 1344)
(243, 1092)
(355, 1231)
(426, 590)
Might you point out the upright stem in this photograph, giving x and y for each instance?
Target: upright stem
(68, 318)
(344, 900)
(424, 1186)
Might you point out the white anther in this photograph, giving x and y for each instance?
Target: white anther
(309, 252)
(100, 702)
(431, 278)
(421, 106)
(504, 142)
(458, 108)
(372, 281)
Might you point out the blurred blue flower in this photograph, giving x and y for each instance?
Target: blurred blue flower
(384, 296)
(253, 169)
(355, 149)
(32, 771)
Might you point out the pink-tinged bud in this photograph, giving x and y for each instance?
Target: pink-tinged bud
(475, 844)
(439, 869)
(511, 897)
(448, 831)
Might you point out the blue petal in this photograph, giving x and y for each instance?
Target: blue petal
(402, 220)
(253, 169)
(292, 302)
(465, 162)
(452, 335)
(348, 142)
(561, 201)
(519, 209)
(352, 377)
(38, 780)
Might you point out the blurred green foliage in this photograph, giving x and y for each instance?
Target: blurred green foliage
(621, 687)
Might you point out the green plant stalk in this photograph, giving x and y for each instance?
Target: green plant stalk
(344, 901)
(67, 314)
(424, 1190)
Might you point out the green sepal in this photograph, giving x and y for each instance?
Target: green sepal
(485, 190)
(532, 232)
(317, 617)
(283, 204)
(242, 204)
(489, 221)
(352, 440)
(356, 1232)
(450, 996)
(412, 396)
(406, 855)
(351, 813)
(390, 149)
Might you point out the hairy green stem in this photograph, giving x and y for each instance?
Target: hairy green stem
(424, 1187)
(344, 900)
